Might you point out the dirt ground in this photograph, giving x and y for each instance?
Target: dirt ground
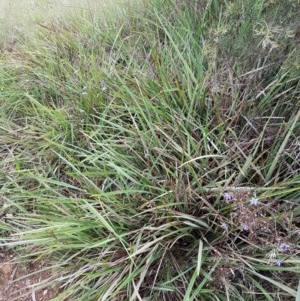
(19, 282)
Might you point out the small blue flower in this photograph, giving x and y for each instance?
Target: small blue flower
(224, 226)
(283, 247)
(245, 227)
(254, 201)
(278, 262)
(228, 197)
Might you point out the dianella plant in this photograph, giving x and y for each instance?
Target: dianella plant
(153, 152)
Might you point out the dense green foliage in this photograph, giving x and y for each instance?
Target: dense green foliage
(155, 155)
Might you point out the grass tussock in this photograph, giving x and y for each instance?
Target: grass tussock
(154, 155)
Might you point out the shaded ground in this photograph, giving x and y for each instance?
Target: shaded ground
(18, 281)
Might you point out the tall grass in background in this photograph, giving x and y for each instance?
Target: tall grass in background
(154, 155)
(21, 20)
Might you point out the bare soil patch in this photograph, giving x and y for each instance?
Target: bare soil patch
(24, 281)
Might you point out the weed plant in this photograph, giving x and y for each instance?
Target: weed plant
(155, 155)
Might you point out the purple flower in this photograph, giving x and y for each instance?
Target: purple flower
(278, 262)
(254, 201)
(224, 226)
(245, 227)
(283, 247)
(228, 197)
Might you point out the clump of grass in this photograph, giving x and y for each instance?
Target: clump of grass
(154, 156)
